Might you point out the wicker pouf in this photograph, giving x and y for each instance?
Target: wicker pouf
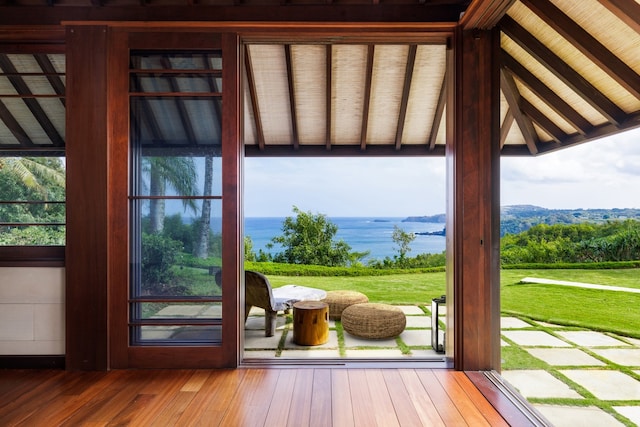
(339, 300)
(373, 320)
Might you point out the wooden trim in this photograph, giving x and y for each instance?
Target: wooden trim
(32, 256)
(484, 14)
(32, 362)
(421, 150)
(474, 159)
(511, 406)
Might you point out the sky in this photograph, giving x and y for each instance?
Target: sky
(604, 173)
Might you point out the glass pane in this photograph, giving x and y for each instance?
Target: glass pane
(180, 176)
(174, 334)
(166, 60)
(180, 256)
(181, 310)
(176, 121)
(175, 82)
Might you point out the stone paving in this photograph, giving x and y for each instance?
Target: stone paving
(573, 377)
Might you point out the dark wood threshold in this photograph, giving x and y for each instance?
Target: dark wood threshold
(32, 362)
(506, 400)
(32, 256)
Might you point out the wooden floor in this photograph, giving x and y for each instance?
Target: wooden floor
(244, 397)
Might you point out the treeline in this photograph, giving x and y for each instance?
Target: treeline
(573, 243)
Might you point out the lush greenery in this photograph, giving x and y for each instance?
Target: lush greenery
(32, 179)
(585, 242)
(309, 238)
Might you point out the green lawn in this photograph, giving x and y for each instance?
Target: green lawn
(617, 312)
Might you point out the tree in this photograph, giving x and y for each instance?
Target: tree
(403, 240)
(201, 249)
(309, 239)
(178, 173)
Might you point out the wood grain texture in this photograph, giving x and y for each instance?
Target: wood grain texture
(321, 396)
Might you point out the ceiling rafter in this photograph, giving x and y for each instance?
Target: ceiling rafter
(484, 14)
(506, 127)
(406, 89)
(147, 116)
(628, 11)
(292, 97)
(555, 102)
(213, 86)
(367, 97)
(52, 75)
(511, 94)
(557, 134)
(182, 109)
(32, 104)
(562, 70)
(437, 117)
(587, 44)
(251, 85)
(329, 77)
(12, 124)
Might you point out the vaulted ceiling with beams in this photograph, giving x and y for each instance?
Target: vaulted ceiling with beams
(570, 73)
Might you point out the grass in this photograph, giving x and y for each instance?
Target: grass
(585, 308)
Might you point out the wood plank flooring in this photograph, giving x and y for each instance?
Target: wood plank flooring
(244, 397)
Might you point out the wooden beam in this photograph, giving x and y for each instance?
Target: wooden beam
(587, 44)
(506, 127)
(543, 121)
(391, 13)
(185, 120)
(552, 99)
(442, 102)
(367, 97)
(328, 91)
(343, 151)
(628, 11)
(512, 95)
(32, 104)
(484, 14)
(52, 75)
(406, 89)
(14, 127)
(562, 70)
(251, 83)
(292, 96)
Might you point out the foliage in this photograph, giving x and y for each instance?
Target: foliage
(573, 243)
(159, 254)
(249, 254)
(302, 270)
(309, 239)
(32, 179)
(403, 241)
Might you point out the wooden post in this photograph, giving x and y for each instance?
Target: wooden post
(310, 322)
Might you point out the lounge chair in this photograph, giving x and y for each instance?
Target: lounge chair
(258, 293)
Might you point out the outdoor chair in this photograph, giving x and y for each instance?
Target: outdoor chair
(258, 293)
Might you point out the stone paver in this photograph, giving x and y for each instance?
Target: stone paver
(418, 322)
(257, 340)
(575, 416)
(630, 412)
(310, 354)
(513, 323)
(564, 356)
(591, 339)
(416, 337)
(621, 356)
(332, 342)
(375, 354)
(353, 341)
(605, 384)
(539, 383)
(411, 310)
(534, 339)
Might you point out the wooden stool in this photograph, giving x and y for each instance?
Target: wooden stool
(310, 322)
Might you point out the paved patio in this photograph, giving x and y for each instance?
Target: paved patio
(573, 377)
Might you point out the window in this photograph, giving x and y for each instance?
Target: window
(176, 198)
(32, 166)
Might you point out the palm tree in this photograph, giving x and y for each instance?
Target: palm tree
(201, 249)
(178, 173)
(35, 173)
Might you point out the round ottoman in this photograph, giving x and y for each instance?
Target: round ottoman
(373, 320)
(339, 300)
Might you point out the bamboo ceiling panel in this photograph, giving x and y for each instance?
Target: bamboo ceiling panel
(348, 75)
(309, 63)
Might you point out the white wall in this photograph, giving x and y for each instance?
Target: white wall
(32, 311)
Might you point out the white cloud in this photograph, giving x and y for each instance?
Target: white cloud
(597, 174)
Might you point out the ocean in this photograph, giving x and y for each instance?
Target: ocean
(361, 233)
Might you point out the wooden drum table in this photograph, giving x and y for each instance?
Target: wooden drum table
(310, 322)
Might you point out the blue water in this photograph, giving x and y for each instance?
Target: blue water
(362, 234)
